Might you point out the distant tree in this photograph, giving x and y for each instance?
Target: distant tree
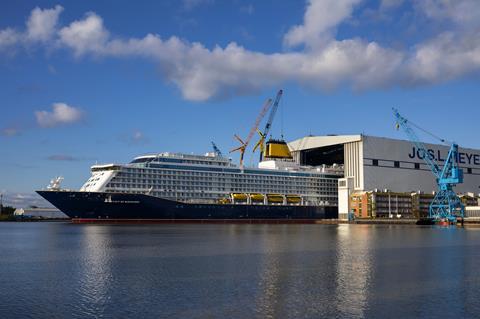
(7, 210)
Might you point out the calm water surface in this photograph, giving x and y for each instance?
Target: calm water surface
(61, 270)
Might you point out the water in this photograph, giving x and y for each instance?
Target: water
(61, 270)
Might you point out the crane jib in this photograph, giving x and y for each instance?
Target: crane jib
(446, 205)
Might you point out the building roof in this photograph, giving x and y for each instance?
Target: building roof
(309, 142)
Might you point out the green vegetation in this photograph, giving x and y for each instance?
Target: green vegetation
(6, 213)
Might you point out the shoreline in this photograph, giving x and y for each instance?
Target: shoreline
(234, 221)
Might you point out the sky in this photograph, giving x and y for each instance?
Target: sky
(85, 82)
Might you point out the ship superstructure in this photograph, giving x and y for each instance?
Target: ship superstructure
(183, 187)
(211, 178)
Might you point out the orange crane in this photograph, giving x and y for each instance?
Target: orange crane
(244, 144)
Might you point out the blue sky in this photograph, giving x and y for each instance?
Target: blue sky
(88, 81)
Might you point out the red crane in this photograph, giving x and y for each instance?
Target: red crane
(244, 144)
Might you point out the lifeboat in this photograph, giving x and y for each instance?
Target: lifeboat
(294, 199)
(275, 198)
(256, 197)
(241, 197)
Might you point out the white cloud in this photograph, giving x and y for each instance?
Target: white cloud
(87, 35)
(321, 17)
(446, 57)
(42, 23)
(462, 12)
(203, 73)
(61, 114)
(40, 27)
(8, 38)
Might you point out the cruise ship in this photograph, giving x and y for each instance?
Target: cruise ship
(183, 187)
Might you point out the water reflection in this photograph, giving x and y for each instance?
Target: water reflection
(238, 271)
(94, 273)
(268, 297)
(354, 269)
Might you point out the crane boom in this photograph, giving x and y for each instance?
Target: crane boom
(429, 159)
(446, 204)
(272, 113)
(244, 144)
(268, 125)
(260, 116)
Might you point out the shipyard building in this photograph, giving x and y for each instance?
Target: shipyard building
(375, 165)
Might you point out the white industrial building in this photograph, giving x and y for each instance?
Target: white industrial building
(382, 163)
(41, 213)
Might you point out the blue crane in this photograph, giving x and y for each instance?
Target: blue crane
(266, 130)
(216, 150)
(446, 205)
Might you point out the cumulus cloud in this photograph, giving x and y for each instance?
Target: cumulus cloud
(42, 23)
(447, 56)
(61, 114)
(87, 35)
(321, 17)
(40, 27)
(463, 12)
(203, 73)
(8, 38)
(317, 59)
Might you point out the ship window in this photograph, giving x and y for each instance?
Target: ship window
(469, 170)
(396, 164)
(417, 165)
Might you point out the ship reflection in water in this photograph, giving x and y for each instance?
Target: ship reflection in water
(237, 271)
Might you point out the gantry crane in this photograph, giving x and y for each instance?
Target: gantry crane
(245, 143)
(446, 205)
(268, 125)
